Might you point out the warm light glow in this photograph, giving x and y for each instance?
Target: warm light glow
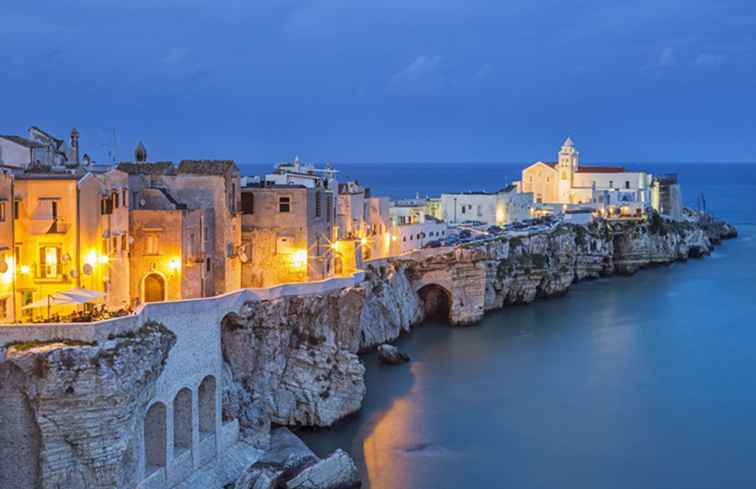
(394, 238)
(24, 269)
(91, 258)
(174, 264)
(363, 241)
(104, 259)
(299, 259)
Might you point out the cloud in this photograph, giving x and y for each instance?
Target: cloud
(710, 60)
(423, 75)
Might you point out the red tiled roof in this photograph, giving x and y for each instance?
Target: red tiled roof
(601, 169)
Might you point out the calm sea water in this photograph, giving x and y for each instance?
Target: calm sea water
(627, 382)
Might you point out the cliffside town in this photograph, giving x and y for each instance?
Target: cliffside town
(76, 408)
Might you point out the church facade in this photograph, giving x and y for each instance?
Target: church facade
(566, 181)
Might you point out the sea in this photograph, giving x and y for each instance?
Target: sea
(634, 382)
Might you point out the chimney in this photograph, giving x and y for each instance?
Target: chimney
(75, 144)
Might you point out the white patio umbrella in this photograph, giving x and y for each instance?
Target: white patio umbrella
(68, 297)
(51, 300)
(81, 294)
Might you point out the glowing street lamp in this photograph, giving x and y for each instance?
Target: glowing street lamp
(299, 259)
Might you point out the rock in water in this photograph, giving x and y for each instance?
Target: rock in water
(336, 472)
(391, 355)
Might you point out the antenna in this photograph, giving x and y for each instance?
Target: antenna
(110, 147)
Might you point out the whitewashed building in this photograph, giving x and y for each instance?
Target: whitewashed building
(492, 208)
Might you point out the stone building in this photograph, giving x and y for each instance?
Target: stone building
(210, 186)
(103, 243)
(166, 252)
(492, 208)
(288, 231)
(365, 220)
(666, 196)
(39, 148)
(566, 181)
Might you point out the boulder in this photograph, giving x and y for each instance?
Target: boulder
(335, 472)
(391, 355)
(260, 475)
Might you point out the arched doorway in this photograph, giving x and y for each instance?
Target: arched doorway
(436, 301)
(154, 288)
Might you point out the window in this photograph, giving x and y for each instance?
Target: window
(114, 244)
(232, 199)
(123, 198)
(152, 245)
(106, 206)
(317, 204)
(49, 261)
(611, 183)
(627, 184)
(115, 200)
(248, 203)
(16, 208)
(54, 210)
(3, 307)
(124, 242)
(329, 207)
(284, 204)
(2, 211)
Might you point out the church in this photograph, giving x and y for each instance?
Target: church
(566, 181)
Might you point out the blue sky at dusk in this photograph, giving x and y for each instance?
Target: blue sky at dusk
(391, 80)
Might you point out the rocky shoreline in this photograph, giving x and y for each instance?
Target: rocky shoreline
(295, 362)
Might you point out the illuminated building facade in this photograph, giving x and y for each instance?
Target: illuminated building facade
(7, 261)
(212, 235)
(289, 227)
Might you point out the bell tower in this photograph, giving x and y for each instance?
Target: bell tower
(567, 166)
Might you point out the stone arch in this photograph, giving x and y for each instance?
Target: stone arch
(20, 437)
(182, 421)
(437, 301)
(155, 438)
(207, 414)
(154, 287)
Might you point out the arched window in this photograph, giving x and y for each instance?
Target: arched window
(182, 421)
(154, 438)
(207, 406)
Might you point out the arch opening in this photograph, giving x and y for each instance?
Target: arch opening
(207, 412)
(155, 438)
(182, 421)
(436, 302)
(154, 288)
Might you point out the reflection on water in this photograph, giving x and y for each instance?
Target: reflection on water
(624, 383)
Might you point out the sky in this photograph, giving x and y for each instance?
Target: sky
(386, 81)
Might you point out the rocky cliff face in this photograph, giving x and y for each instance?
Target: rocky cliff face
(294, 360)
(296, 356)
(70, 411)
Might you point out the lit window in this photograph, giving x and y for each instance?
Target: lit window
(2, 211)
(49, 259)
